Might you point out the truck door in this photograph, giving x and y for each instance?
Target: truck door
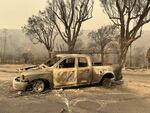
(66, 73)
(84, 71)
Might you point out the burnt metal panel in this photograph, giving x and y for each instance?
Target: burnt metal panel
(63, 77)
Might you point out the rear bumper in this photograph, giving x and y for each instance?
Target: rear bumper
(19, 85)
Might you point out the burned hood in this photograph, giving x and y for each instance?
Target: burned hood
(37, 71)
(32, 68)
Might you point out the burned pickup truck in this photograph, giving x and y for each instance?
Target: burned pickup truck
(64, 70)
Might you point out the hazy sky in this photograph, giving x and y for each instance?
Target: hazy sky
(14, 14)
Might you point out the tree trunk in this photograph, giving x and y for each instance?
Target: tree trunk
(102, 57)
(49, 53)
(121, 63)
(70, 48)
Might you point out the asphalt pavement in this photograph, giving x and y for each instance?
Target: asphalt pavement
(93, 99)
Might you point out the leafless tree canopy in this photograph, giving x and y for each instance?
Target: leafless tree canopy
(68, 16)
(102, 37)
(41, 29)
(130, 16)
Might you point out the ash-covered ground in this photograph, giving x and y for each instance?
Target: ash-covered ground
(131, 97)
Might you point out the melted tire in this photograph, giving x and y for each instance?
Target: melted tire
(106, 82)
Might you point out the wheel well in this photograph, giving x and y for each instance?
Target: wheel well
(107, 75)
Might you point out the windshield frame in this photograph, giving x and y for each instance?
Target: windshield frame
(52, 59)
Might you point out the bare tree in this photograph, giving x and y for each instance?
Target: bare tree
(139, 57)
(102, 37)
(60, 47)
(26, 57)
(79, 44)
(41, 29)
(130, 16)
(68, 16)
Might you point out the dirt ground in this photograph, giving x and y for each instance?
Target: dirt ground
(131, 97)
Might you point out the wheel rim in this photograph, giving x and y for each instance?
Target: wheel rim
(38, 86)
